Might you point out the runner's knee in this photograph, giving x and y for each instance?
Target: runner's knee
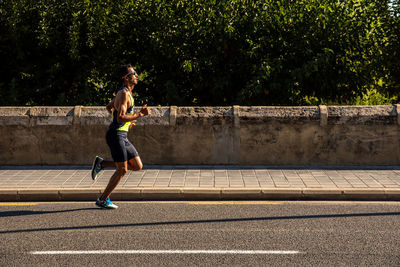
(135, 164)
(139, 167)
(136, 167)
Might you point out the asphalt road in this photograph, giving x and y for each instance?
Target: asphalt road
(201, 234)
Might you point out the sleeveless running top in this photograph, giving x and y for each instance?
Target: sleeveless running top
(125, 125)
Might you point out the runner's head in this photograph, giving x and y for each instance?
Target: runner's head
(127, 75)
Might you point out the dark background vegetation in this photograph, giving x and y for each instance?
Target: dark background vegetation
(201, 52)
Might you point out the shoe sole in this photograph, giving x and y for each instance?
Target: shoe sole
(108, 208)
(93, 166)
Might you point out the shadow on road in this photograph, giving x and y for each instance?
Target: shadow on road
(33, 212)
(319, 216)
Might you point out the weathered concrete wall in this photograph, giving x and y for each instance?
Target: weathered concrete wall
(348, 135)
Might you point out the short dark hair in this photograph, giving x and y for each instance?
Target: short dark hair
(122, 71)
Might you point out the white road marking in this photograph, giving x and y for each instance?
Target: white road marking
(82, 252)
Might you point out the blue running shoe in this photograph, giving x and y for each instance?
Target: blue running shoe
(96, 167)
(106, 204)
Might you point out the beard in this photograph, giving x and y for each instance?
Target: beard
(133, 82)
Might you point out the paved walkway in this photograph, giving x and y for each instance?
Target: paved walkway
(26, 183)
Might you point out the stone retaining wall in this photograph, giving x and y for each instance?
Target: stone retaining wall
(324, 135)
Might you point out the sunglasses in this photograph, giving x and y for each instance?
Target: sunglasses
(133, 72)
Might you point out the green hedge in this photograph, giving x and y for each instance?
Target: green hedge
(201, 52)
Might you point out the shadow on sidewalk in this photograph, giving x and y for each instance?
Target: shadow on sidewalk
(321, 216)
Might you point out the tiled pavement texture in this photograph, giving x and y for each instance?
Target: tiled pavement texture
(235, 177)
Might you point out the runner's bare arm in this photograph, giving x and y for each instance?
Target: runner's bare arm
(110, 105)
(122, 106)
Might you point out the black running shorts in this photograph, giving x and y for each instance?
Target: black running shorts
(120, 147)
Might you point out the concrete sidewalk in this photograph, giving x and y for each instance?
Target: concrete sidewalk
(62, 183)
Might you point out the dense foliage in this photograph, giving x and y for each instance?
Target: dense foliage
(201, 52)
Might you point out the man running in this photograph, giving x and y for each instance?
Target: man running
(124, 154)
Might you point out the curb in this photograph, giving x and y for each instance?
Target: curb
(134, 193)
